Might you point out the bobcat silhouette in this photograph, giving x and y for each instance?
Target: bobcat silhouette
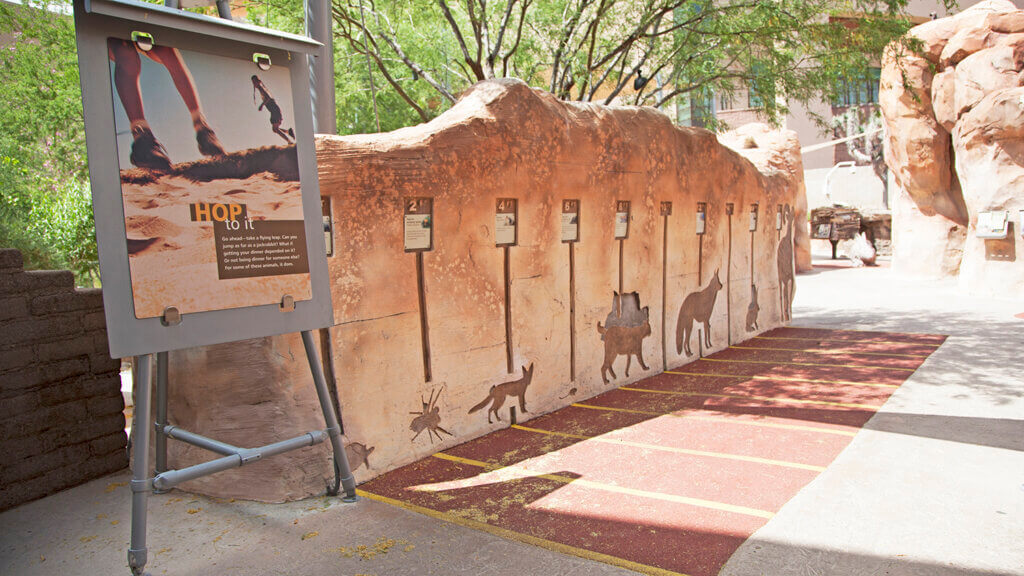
(623, 332)
(752, 310)
(500, 392)
(697, 307)
(784, 260)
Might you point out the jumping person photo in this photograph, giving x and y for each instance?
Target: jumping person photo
(147, 152)
(276, 118)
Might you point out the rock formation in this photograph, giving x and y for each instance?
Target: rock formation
(955, 119)
(501, 140)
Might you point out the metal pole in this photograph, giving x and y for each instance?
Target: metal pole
(161, 412)
(342, 470)
(140, 482)
(321, 67)
(224, 9)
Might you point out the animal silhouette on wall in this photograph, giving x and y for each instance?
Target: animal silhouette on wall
(697, 307)
(499, 392)
(429, 418)
(787, 284)
(623, 332)
(358, 454)
(752, 310)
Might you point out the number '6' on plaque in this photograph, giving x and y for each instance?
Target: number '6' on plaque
(570, 220)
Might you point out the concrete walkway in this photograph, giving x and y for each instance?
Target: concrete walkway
(934, 484)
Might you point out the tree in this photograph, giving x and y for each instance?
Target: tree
(423, 53)
(870, 148)
(44, 204)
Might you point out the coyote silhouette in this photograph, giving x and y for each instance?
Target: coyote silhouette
(697, 307)
(499, 392)
(623, 332)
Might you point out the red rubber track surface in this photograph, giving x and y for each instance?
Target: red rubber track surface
(672, 473)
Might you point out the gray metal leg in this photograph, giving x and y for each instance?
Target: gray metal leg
(140, 483)
(341, 467)
(161, 412)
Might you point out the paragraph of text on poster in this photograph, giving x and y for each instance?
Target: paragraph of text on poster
(268, 248)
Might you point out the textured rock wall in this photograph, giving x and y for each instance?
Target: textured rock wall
(954, 119)
(61, 410)
(505, 140)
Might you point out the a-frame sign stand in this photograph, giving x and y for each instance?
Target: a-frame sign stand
(176, 109)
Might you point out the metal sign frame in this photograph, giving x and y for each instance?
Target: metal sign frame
(97, 20)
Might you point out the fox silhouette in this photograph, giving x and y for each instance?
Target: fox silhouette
(499, 392)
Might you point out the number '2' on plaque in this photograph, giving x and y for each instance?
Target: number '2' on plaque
(418, 223)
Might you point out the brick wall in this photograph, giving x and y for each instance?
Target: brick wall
(61, 410)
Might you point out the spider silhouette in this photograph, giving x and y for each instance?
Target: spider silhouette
(429, 418)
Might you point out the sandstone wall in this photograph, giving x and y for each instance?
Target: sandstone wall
(505, 140)
(61, 409)
(954, 120)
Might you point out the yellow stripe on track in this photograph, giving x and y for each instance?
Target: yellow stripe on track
(520, 537)
(806, 364)
(720, 419)
(784, 378)
(699, 502)
(847, 341)
(686, 451)
(834, 352)
(741, 397)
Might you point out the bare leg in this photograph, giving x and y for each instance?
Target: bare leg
(127, 68)
(277, 130)
(171, 59)
(146, 151)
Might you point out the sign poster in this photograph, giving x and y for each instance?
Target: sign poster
(505, 224)
(570, 220)
(753, 219)
(419, 224)
(325, 211)
(701, 219)
(621, 219)
(209, 180)
(666, 208)
(993, 225)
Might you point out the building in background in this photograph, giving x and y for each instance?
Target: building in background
(855, 185)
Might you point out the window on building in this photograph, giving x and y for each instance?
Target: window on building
(858, 91)
(726, 101)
